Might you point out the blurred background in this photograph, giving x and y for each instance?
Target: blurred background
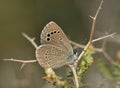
(30, 16)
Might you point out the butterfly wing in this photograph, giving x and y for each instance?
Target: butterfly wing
(50, 56)
(53, 34)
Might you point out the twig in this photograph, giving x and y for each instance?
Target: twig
(83, 46)
(104, 37)
(100, 50)
(24, 62)
(91, 35)
(21, 61)
(104, 44)
(95, 40)
(75, 76)
(77, 44)
(31, 40)
(94, 21)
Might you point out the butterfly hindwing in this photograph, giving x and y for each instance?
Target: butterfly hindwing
(50, 56)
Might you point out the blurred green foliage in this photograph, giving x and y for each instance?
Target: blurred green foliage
(112, 72)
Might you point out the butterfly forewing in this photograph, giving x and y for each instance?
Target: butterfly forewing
(50, 56)
(53, 34)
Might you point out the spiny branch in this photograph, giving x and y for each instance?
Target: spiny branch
(99, 50)
(75, 76)
(91, 35)
(31, 40)
(94, 40)
(24, 62)
(104, 37)
(94, 22)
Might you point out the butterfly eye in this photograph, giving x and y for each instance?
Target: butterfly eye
(75, 51)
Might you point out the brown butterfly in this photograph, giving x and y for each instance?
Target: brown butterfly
(55, 50)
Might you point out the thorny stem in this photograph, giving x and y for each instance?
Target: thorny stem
(100, 50)
(24, 62)
(31, 40)
(83, 46)
(21, 61)
(79, 58)
(94, 22)
(91, 35)
(104, 37)
(94, 40)
(75, 76)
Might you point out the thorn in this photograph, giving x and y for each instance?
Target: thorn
(8, 59)
(33, 38)
(23, 34)
(113, 34)
(5, 59)
(22, 66)
(91, 17)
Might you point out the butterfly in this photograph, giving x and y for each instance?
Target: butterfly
(55, 50)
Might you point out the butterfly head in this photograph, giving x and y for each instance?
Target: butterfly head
(71, 59)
